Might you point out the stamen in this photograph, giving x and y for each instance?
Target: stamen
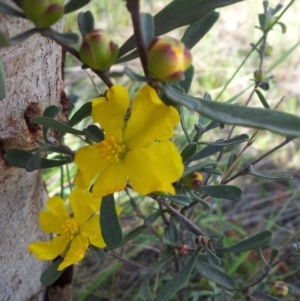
(70, 227)
(112, 149)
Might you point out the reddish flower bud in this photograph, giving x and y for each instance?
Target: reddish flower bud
(279, 289)
(98, 51)
(202, 241)
(43, 13)
(182, 249)
(168, 58)
(193, 180)
(259, 75)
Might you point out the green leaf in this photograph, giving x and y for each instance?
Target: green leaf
(34, 162)
(231, 159)
(160, 264)
(263, 296)
(56, 125)
(201, 201)
(84, 112)
(177, 14)
(134, 76)
(5, 42)
(109, 222)
(178, 281)
(181, 200)
(198, 167)
(254, 242)
(8, 10)
(171, 232)
(94, 133)
(2, 81)
(186, 83)
(150, 219)
(144, 291)
(19, 157)
(51, 274)
(50, 112)
(62, 38)
(274, 121)
(205, 152)
(228, 192)
(211, 273)
(86, 22)
(274, 254)
(197, 30)
(271, 177)
(135, 232)
(262, 99)
(73, 5)
(213, 259)
(147, 28)
(283, 27)
(189, 151)
(235, 140)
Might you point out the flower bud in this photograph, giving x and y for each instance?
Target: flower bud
(182, 249)
(43, 13)
(259, 75)
(193, 180)
(279, 289)
(98, 51)
(202, 241)
(168, 59)
(268, 50)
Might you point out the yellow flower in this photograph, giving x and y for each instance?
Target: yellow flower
(138, 149)
(75, 232)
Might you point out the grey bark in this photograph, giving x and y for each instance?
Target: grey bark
(34, 81)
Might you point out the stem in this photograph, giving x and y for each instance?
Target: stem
(133, 7)
(140, 266)
(47, 33)
(184, 219)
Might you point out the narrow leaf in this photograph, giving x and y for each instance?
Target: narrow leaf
(262, 99)
(228, 192)
(50, 112)
(197, 30)
(135, 232)
(181, 200)
(5, 42)
(274, 121)
(62, 38)
(86, 22)
(214, 274)
(189, 151)
(171, 232)
(150, 219)
(178, 281)
(34, 162)
(205, 152)
(94, 133)
(271, 177)
(8, 10)
(235, 140)
(144, 291)
(186, 83)
(73, 5)
(51, 274)
(213, 259)
(109, 222)
(254, 242)
(198, 167)
(201, 201)
(99, 254)
(84, 112)
(2, 81)
(147, 28)
(56, 125)
(134, 76)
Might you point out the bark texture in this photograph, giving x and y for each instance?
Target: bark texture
(34, 81)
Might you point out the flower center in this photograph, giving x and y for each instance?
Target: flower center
(70, 227)
(112, 149)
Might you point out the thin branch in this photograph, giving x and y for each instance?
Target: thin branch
(140, 266)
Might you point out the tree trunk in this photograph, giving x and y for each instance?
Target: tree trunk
(34, 81)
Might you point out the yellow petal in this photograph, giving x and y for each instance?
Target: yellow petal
(50, 223)
(57, 207)
(81, 202)
(154, 168)
(89, 164)
(91, 229)
(76, 252)
(48, 250)
(111, 179)
(150, 119)
(109, 111)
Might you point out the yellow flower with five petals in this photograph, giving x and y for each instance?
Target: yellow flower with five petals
(75, 232)
(138, 149)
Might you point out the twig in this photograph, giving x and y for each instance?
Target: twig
(140, 266)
